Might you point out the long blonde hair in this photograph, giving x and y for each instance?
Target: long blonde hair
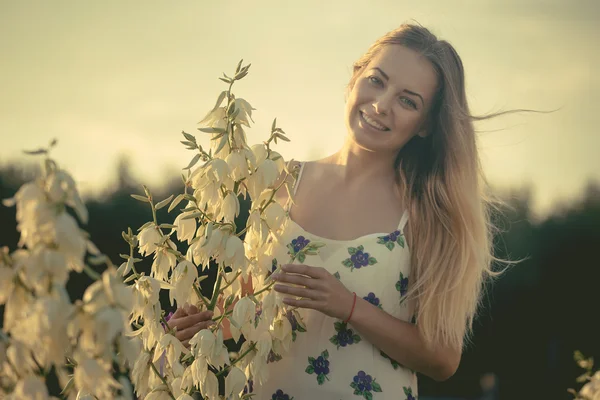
(444, 189)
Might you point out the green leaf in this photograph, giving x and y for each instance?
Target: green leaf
(356, 391)
(175, 202)
(390, 246)
(375, 386)
(353, 386)
(280, 136)
(407, 391)
(368, 395)
(294, 335)
(140, 198)
(400, 241)
(301, 257)
(192, 215)
(193, 161)
(356, 338)
(274, 125)
(361, 247)
(212, 130)
(163, 203)
(311, 360)
(352, 250)
(380, 240)
(189, 137)
(222, 143)
(167, 226)
(310, 369)
(398, 286)
(301, 328)
(348, 263)
(334, 340)
(321, 378)
(225, 80)
(339, 325)
(372, 260)
(337, 275)
(35, 152)
(147, 224)
(325, 354)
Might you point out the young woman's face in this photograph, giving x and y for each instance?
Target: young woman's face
(390, 100)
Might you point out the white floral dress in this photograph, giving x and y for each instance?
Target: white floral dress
(330, 360)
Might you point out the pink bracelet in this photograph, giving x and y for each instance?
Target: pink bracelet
(352, 310)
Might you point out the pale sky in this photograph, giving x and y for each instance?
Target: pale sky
(113, 78)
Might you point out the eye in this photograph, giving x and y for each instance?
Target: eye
(375, 80)
(409, 102)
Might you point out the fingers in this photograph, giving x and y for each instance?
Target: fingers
(190, 309)
(313, 272)
(190, 320)
(301, 303)
(299, 292)
(180, 312)
(296, 280)
(186, 334)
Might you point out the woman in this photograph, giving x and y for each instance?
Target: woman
(401, 210)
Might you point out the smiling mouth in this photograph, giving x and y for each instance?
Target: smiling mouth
(372, 123)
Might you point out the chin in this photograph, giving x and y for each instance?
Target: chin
(367, 139)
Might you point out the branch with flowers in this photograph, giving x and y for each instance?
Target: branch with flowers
(119, 326)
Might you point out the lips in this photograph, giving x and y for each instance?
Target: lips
(373, 122)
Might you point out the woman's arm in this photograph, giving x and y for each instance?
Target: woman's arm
(402, 342)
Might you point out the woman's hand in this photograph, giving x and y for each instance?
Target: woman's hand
(188, 321)
(319, 290)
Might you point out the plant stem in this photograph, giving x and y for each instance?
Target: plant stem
(164, 381)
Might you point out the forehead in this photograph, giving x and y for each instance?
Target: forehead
(406, 68)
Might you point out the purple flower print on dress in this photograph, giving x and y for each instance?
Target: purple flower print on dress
(249, 388)
(273, 357)
(389, 241)
(394, 363)
(402, 286)
(358, 258)
(296, 246)
(296, 327)
(319, 366)
(344, 336)
(279, 395)
(409, 394)
(371, 298)
(363, 384)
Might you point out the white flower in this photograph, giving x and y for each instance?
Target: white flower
(243, 312)
(264, 345)
(234, 383)
(92, 377)
(182, 279)
(275, 216)
(210, 386)
(591, 390)
(30, 387)
(238, 165)
(6, 282)
(70, 240)
(230, 208)
(198, 370)
(260, 154)
(203, 343)
(282, 330)
(141, 372)
(163, 263)
(245, 111)
(235, 255)
(148, 238)
(173, 348)
(185, 227)
(185, 396)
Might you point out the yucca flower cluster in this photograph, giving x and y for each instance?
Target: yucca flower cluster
(85, 343)
(119, 326)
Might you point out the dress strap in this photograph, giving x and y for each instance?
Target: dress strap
(288, 203)
(403, 220)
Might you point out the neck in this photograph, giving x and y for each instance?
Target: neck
(359, 165)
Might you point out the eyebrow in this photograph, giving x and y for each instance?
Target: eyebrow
(387, 78)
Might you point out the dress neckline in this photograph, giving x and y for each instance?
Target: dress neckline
(400, 226)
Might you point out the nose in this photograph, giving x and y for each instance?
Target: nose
(383, 104)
